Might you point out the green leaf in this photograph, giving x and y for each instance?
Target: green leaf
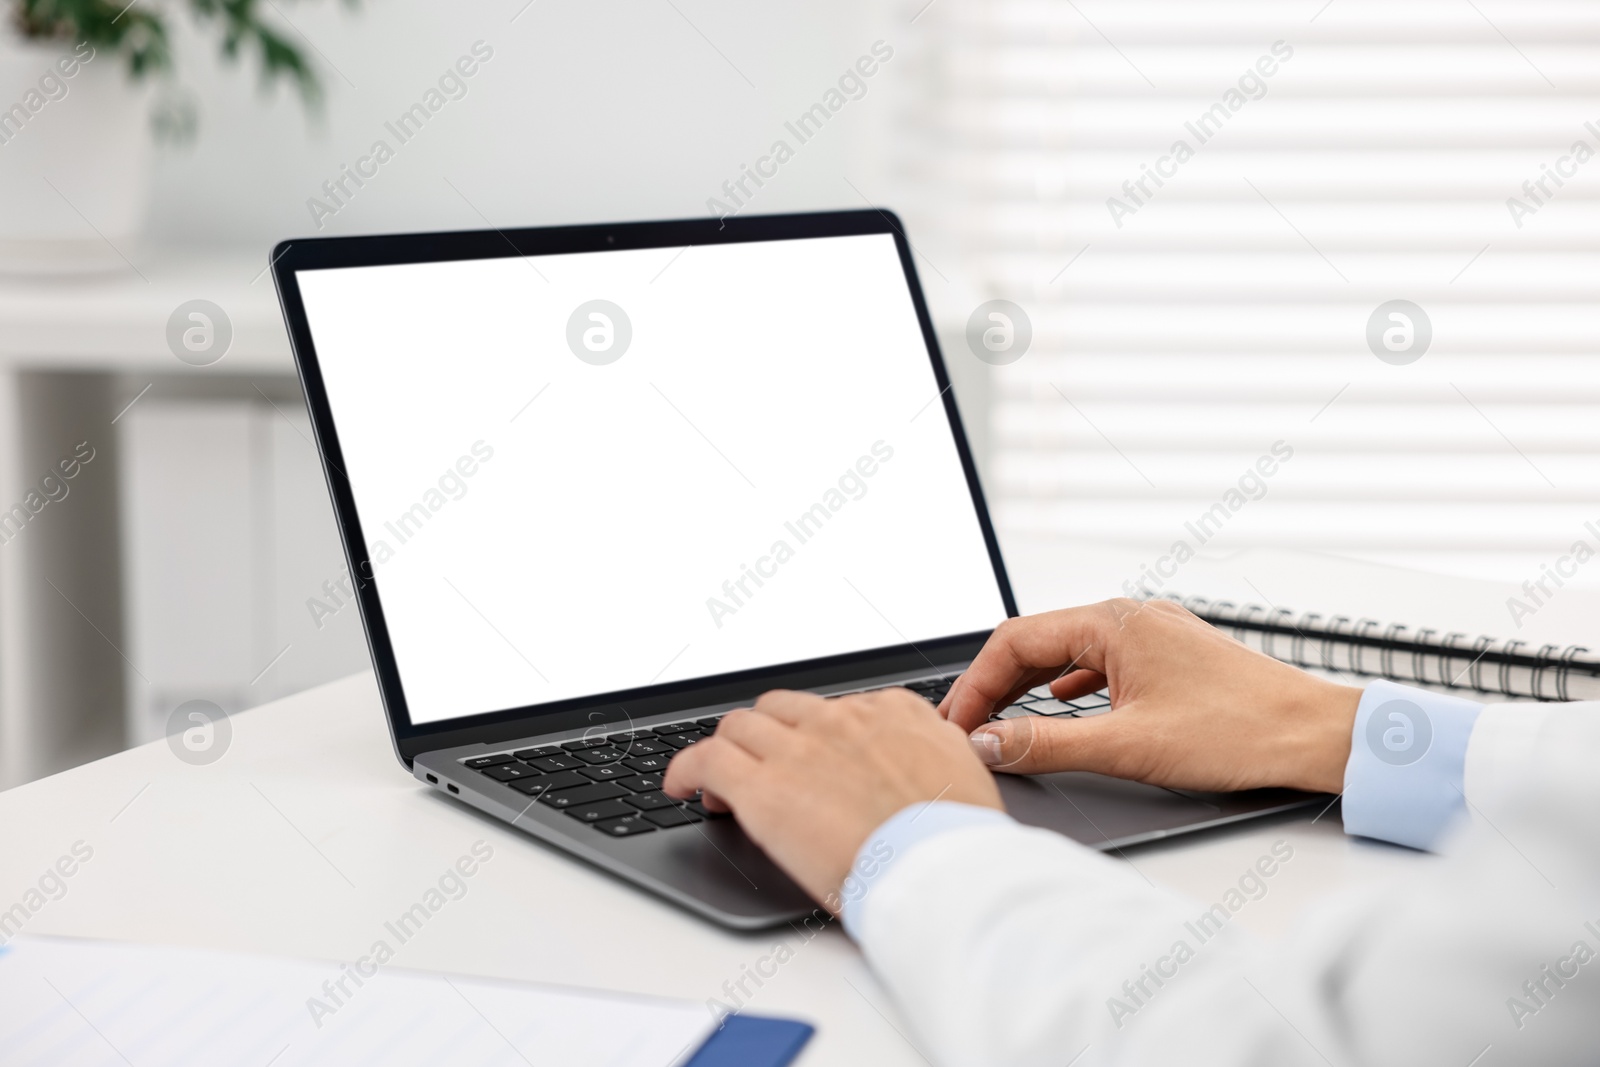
(138, 35)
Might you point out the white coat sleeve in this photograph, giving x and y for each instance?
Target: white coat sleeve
(1007, 945)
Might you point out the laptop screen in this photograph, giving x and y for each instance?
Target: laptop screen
(579, 474)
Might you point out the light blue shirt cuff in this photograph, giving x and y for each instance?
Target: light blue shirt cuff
(1408, 754)
(894, 839)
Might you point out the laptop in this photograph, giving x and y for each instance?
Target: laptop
(598, 485)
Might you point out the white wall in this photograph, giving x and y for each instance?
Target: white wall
(589, 110)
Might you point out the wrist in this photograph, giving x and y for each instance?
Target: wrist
(1327, 711)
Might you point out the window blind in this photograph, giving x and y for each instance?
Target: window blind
(1189, 314)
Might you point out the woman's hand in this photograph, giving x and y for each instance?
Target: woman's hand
(810, 779)
(1191, 707)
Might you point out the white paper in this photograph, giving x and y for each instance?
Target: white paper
(68, 1003)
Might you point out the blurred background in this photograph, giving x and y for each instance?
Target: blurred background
(1203, 209)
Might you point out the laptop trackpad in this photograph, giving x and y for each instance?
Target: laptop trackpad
(1100, 811)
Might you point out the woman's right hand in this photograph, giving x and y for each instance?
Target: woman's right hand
(1191, 707)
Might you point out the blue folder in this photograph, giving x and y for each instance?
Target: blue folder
(752, 1041)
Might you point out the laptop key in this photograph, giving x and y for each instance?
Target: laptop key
(530, 754)
(628, 737)
(675, 728)
(650, 801)
(626, 826)
(648, 764)
(546, 783)
(706, 813)
(586, 742)
(683, 741)
(562, 762)
(600, 809)
(673, 816)
(538, 784)
(644, 783)
(583, 794)
(643, 747)
(595, 756)
(606, 773)
(506, 772)
(480, 762)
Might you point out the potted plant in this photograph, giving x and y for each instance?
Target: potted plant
(82, 82)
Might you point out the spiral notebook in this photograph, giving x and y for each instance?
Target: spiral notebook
(1344, 644)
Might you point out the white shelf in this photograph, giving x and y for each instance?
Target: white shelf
(117, 321)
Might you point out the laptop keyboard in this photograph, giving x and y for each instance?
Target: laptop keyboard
(1036, 701)
(613, 783)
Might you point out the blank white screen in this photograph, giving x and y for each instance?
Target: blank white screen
(618, 506)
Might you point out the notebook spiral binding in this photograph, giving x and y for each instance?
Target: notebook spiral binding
(1367, 647)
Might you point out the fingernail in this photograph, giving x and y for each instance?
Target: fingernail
(986, 743)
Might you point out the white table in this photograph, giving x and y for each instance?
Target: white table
(307, 835)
